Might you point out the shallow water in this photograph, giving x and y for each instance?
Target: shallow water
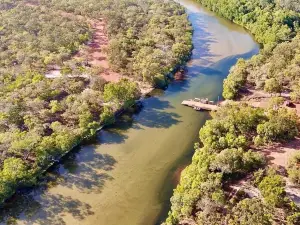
(128, 175)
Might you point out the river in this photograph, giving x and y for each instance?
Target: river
(128, 175)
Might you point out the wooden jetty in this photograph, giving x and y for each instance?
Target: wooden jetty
(201, 104)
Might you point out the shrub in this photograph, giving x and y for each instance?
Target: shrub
(250, 211)
(258, 176)
(294, 168)
(281, 126)
(272, 86)
(235, 80)
(272, 188)
(293, 219)
(123, 92)
(237, 161)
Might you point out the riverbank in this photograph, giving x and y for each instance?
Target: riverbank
(203, 195)
(145, 91)
(44, 117)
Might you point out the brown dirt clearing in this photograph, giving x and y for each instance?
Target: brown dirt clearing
(95, 51)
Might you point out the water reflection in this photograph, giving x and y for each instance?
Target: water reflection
(202, 40)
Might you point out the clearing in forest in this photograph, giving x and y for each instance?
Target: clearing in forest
(94, 52)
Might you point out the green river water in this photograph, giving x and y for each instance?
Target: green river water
(128, 175)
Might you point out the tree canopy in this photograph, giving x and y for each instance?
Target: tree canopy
(226, 154)
(231, 138)
(41, 119)
(275, 24)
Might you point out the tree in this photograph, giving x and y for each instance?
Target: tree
(272, 188)
(122, 92)
(231, 127)
(42, 118)
(98, 83)
(15, 173)
(107, 116)
(6, 189)
(237, 161)
(24, 144)
(250, 212)
(272, 86)
(55, 106)
(275, 102)
(85, 119)
(211, 213)
(15, 170)
(229, 161)
(15, 115)
(295, 94)
(235, 80)
(294, 168)
(281, 125)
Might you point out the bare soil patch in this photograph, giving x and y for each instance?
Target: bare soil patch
(278, 154)
(261, 99)
(95, 51)
(246, 186)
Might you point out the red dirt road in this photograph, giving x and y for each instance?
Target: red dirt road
(95, 51)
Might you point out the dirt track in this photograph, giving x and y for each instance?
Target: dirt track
(95, 51)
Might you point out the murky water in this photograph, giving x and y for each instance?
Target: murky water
(128, 175)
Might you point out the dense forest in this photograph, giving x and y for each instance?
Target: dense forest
(30, 43)
(230, 143)
(41, 118)
(274, 70)
(147, 38)
(265, 19)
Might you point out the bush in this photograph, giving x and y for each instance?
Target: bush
(293, 219)
(294, 168)
(231, 127)
(275, 102)
(107, 116)
(272, 188)
(281, 126)
(237, 161)
(272, 86)
(250, 212)
(123, 92)
(258, 176)
(15, 173)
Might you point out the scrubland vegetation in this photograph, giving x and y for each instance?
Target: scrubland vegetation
(203, 195)
(41, 119)
(33, 37)
(294, 168)
(147, 38)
